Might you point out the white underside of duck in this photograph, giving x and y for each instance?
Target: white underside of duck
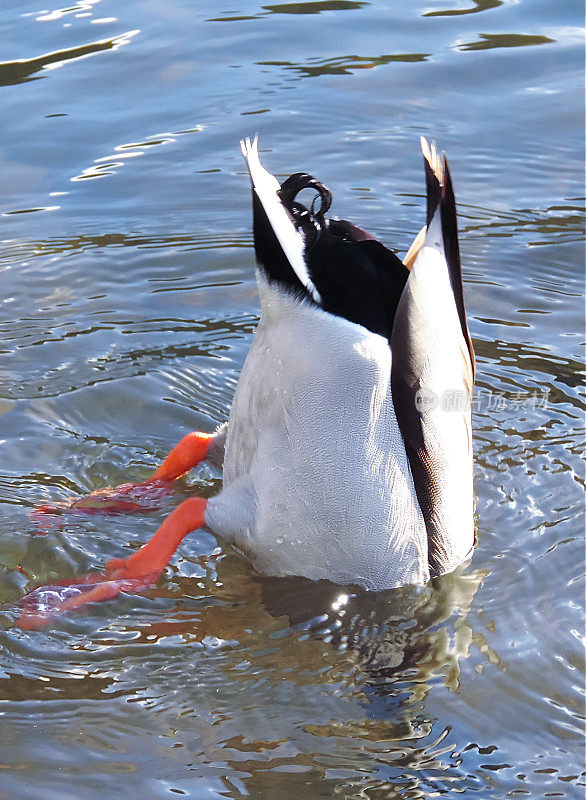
(316, 479)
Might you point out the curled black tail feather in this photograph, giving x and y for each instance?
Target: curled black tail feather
(310, 221)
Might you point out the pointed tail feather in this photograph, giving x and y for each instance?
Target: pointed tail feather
(280, 248)
(433, 177)
(452, 252)
(433, 374)
(440, 194)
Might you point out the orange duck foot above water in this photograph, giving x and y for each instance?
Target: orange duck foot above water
(130, 497)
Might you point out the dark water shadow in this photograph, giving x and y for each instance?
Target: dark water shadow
(344, 65)
(491, 41)
(23, 70)
(400, 644)
(479, 5)
(294, 8)
(316, 7)
(392, 631)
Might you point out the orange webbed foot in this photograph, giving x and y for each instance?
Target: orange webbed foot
(46, 602)
(133, 574)
(132, 497)
(123, 499)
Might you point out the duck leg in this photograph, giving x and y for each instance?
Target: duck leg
(142, 568)
(231, 515)
(139, 571)
(143, 496)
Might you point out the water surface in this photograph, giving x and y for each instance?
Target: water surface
(128, 304)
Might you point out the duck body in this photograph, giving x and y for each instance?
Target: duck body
(348, 452)
(325, 446)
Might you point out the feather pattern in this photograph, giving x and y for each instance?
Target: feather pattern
(313, 430)
(432, 380)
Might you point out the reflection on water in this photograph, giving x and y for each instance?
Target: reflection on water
(314, 8)
(342, 65)
(125, 317)
(294, 8)
(489, 41)
(479, 5)
(342, 651)
(559, 224)
(20, 71)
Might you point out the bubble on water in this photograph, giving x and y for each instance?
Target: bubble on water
(48, 598)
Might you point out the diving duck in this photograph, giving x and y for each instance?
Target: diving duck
(348, 452)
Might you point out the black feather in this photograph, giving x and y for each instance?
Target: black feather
(357, 277)
(452, 251)
(269, 254)
(360, 280)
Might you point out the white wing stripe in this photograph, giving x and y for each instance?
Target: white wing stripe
(266, 187)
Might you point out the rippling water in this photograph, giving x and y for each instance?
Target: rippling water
(128, 303)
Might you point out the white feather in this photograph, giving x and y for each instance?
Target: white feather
(266, 187)
(446, 425)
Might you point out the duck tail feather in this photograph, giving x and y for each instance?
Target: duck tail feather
(431, 369)
(279, 246)
(452, 253)
(433, 177)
